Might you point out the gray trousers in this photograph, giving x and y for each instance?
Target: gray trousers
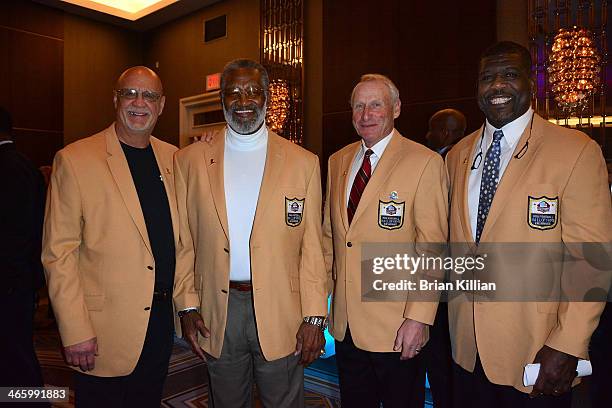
(280, 382)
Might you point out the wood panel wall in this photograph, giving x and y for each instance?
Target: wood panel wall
(430, 50)
(60, 68)
(95, 54)
(31, 76)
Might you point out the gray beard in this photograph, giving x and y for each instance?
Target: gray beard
(248, 126)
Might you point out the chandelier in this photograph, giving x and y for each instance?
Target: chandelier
(278, 105)
(573, 68)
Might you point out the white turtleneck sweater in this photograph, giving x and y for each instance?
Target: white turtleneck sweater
(243, 168)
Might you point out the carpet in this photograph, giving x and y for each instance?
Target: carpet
(187, 382)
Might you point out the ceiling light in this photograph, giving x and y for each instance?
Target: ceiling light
(127, 9)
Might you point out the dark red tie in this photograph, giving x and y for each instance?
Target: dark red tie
(361, 179)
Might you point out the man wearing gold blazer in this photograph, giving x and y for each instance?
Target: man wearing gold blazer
(250, 213)
(382, 189)
(109, 251)
(522, 179)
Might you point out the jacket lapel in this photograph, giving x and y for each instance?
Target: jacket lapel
(118, 165)
(466, 158)
(214, 164)
(514, 172)
(384, 168)
(164, 162)
(343, 177)
(275, 161)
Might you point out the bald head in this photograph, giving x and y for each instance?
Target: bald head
(140, 73)
(446, 127)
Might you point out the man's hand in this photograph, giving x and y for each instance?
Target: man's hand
(208, 135)
(191, 324)
(310, 342)
(82, 354)
(410, 338)
(557, 371)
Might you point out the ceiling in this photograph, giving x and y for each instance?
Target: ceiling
(137, 15)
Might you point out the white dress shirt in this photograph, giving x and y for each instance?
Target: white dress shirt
(243, 168)
(512, 134)
(377, 151)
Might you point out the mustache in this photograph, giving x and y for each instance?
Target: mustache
(252, 106)
(497, 93)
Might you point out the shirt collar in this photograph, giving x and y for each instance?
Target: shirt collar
(379, 147)
(512, 131)
(251, 141)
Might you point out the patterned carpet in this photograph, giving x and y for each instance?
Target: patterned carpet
(187, 382)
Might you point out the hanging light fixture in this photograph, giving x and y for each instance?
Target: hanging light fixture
(278, 105)
(573, 68)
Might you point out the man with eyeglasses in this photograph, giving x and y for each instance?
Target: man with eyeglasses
(109, 251)
(521, 179)
(250, 243)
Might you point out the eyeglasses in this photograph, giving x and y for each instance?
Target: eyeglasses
(133, 93)
(250, 92)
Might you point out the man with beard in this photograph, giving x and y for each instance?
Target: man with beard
(109, 252)
(446, 128)
(522, 179)
(250, 231)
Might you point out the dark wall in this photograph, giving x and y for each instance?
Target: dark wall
(95, 54)
(58, 70)
(429, 49)
(176, 50)
(57, 74)
(31, 76)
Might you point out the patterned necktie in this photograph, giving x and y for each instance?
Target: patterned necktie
(489, 181)
(361, 179)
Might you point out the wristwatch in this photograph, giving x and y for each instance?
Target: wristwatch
(319, 321)
(183, 312)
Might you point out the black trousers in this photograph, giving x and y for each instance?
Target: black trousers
(369, 378)
(20, 367)
(144, 386)
(474, 390)
(437, 359)
(601, 359)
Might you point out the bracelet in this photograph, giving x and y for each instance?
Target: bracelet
(319, 321)
(183, 312)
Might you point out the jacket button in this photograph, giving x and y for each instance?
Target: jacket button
(349, 244)
(223, 290)
(147, 308)
(226, 250)
(150, 267)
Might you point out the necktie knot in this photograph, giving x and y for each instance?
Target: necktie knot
(369, 152)
(497, 136)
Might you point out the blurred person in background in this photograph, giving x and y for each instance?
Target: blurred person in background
(22, 201)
